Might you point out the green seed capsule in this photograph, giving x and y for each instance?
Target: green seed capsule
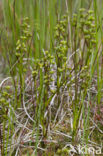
(88, 23)
(18, 47)
(56, 34)
(85, 31)
(18, 54)
(93, 25)
(2, 100)
(51, 72)
(18, 42)
(82, 9)
(23, 37)
(93, 41)
(7, 87)
(90, 11)
(26, 19)
(24, 25)
(65, 150)
(87, 36)
(82, 21)
(53, 91)
(91, 18)
(60, 69)
(34, 72)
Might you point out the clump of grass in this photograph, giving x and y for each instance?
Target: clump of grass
(5, 98)
(22, 51)
(42, 72)
(51, 100)
(61, 49)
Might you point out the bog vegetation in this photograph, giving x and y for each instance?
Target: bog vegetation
(51, 85)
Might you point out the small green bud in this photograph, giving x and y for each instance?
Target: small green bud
(61, 22)
(61, 37)
(18, 48)
(82, 21)
(46, 52)
(87, 36)
(88, 23)
(93, 34)
(82, 9)
(65, 16)
(52, 57)
(26, 19)
(65, 150)
(90, 11)
(51, 79)
(59, 151)
(23, 37)
(60, 69)
(84, 68)
(5, 94)
(74, 15)
(29, 35)
(63, 42)
(7, 87)
(93, 41)
(85, 31)
(93, 25)
(18, 42)
(91, 18)
(53, 91)
(34, 72)
(18, 54)
(51, 72)
(46, 81)
(56, 34)
(2, 100)
(40, 65)
(23, 45)
(64, 58)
